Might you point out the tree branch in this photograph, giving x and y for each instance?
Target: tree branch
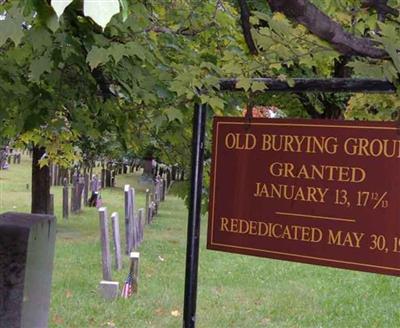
(246, 26)
(305, 13)
(381, 8)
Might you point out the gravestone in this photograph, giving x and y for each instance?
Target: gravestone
(163, 188)
(51, 204)
(105, 244)
(142, 222)
(128, 210)
(147, 206)
(65, 198)
(26, 264)
(103, 177)
(117, 240)
(134, 257)
(86, 190)
(133, 221)
(108, 289)
(81, 187)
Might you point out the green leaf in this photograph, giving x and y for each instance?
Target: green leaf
(11, 27)
(136, 49)
(243, 83)
(39, 66)
(366, 69)
(291, 83)
(117, 51)
(97, 56)
(258, 86)
(216, 103)
(40, 39)
(174, 114)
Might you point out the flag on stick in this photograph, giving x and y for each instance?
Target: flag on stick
(127, 290)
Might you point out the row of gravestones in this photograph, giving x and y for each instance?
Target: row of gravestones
(79, 195)
(27, 250)
(108, 173)
(134, 235)
(14, 158)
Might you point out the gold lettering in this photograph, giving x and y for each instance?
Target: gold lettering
(334, 239)
(243, 227)
(224, 224)
(316, 235)
(253, 228)
(230, 141)
(348, 239)
(266, 145)
(234, 225)
(274, 232)
(358, 236)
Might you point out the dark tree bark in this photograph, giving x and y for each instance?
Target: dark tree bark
(381, 8)
(246, 26)
(317, 85)
(40, 183)
(321, 25)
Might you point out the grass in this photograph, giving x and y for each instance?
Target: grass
(233, 290)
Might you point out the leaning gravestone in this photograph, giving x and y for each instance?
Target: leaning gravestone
(26, 263)
(107, 288)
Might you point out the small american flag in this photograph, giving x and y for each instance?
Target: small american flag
(127, 290)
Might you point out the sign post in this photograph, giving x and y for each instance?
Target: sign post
(193, 232)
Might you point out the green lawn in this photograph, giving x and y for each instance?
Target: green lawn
(233, 290)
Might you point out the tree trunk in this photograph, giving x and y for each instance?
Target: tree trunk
(40, 183)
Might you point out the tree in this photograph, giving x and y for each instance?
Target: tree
(69, 83)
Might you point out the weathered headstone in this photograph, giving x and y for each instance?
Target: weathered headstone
(163, 188)
(103, 178)
(51, 204)
(153, 210)
(133, 221)
(142, 222)
(26, 263)
(86, 189)
(109, 289)
(73, 196)
(117, 240)
(169, 178)
(134, 257)
(113, 178)
(65, 198)
(56, 174)
(108, 183)
(105, 244)
(128, 229)
(74, 193)
(147, 206)
(81, 186)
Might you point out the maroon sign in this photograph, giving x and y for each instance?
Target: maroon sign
(320, 192)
